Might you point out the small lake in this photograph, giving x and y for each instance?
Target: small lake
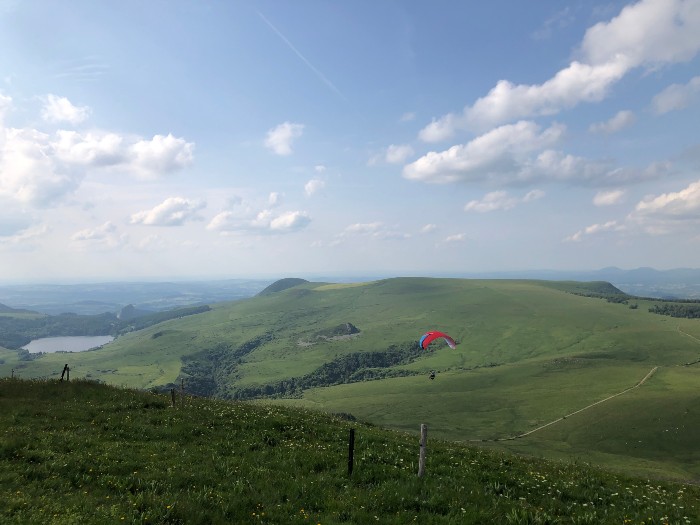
(67, 344)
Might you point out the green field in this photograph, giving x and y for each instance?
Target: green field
(80, 452)
(528, 353)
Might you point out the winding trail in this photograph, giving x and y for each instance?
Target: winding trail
(640, 383)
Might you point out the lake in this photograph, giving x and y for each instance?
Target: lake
(67, 344)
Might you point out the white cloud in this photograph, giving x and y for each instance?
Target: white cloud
(313, 186)
(29, 172)
(428, 228)
(669, 212)
(501, 153)
(290, 221)
(608, 198)
(263, 222)
(397, 154)
(648, 33)
(443, 128)
(160, 155)
(620, 121)
(105, 236)
(676, 96)
(408, 117)
(26, 235)
(500, 200)
(173, 211)
(496, 200)
(280, 139)
(319, 168)
(40, 170)
(91, 149)
(274, 199)
(577, 83)
(593, 230)
(60, 109)
(458, 237)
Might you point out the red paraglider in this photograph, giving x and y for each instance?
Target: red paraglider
(429, 337)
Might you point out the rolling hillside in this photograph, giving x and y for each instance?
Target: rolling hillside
(79, 452)
(528, 353)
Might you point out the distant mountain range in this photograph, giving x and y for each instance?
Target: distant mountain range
(96, 298)
(679, 283)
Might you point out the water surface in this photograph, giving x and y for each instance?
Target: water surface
(67, 344)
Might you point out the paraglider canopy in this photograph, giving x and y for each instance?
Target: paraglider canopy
(429, 337)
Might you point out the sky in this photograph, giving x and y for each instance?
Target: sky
(220, 139)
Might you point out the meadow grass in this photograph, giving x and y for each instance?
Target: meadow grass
(80, 452)
(527, 353)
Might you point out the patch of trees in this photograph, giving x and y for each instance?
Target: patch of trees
(598, 289)
(207, 372)
(686, 310)
(351, 368)
(16, 332)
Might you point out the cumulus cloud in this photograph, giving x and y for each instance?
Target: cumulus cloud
(173, 211)
(533, 195)
(60, 109)
(676, 96)
(669, 212)
(41, 169)
(264, 221)
(280, 138)
(428, 228)
(608, 198)
(648, 33)
(620, 121)
(105, 236)
(319, 168)
(500, 153)
(29, 171)
(593, 230)
(160, 155)
(289, 221)
(313, 186)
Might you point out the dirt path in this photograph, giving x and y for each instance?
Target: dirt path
(640, 383)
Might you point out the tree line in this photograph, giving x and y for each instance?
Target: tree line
(16, 332)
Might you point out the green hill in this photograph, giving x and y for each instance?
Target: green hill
(79, 452)
(529, 353)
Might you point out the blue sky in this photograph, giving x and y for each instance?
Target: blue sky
(209, 139)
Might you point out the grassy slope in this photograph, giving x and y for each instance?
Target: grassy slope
(556, 352)
(84, 453)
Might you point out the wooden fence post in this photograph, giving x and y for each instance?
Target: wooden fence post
(351, 451)
(182, 392)
(423, 445)
(172, 396)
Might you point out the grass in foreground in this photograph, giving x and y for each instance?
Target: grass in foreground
(81, 452)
